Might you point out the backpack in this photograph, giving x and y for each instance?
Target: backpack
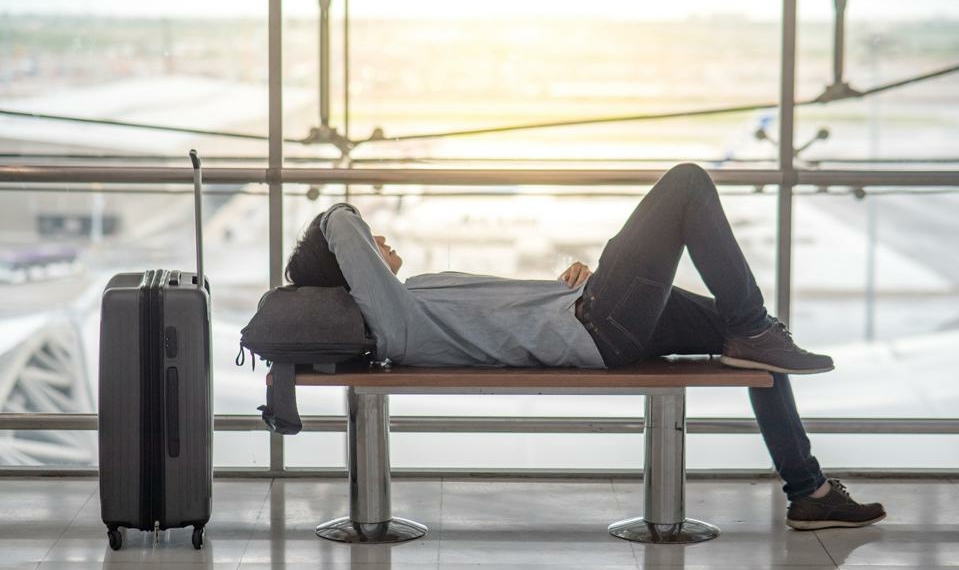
(318, 326)
(307, 325)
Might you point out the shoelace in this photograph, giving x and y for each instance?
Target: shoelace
(840, 488)
(781, 329)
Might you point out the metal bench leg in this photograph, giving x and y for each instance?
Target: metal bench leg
(664, 479)
(368, 437)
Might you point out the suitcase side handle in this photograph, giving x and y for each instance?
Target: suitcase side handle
(197, 201)
(173, 412)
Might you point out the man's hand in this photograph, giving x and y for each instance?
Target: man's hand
(575, 275)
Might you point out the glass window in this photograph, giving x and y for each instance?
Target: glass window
(118, 85)
(497, 84)
(876, 103)
(431, 73)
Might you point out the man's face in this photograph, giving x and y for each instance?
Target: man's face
(389, 255)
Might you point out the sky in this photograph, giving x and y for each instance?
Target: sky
(632, 9)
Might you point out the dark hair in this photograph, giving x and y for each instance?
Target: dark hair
(312, 263)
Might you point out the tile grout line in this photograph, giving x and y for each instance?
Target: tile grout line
(624, 513)
(259, 514)
(826, 550)
(439, 541)
(66, 527)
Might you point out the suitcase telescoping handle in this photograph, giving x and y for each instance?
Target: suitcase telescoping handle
(197, 191)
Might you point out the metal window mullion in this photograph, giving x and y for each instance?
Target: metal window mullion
(787, 111)
(460, 177)
(274, 177)
(490, 474)
(520, 424)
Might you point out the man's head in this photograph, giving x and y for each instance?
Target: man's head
(312, 263)
(389, 255)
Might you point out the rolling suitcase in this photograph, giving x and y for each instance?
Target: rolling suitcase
(155, 411)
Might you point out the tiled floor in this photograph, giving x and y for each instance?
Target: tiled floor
(479, 525)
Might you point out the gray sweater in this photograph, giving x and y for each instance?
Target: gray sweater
(457, 319)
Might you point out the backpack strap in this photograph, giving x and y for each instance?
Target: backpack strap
(280, 412)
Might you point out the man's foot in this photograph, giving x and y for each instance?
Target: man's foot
(836, 509)
(773, 350)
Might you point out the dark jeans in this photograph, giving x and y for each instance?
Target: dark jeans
(633, 312)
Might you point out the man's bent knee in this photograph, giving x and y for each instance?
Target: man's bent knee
(691, 177)
(687, 170)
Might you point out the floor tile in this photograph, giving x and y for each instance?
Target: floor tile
(20, 551)
(540, 549)
(896, 567)
(44, 507)
(518, 524)
(916, 546)
(532, 566)
(532, 504)
(109, 565)
(174, 547)
(342, 566)
(285, 530)
(726, 566)
(748, 548)
(323, 552)
(921, 528)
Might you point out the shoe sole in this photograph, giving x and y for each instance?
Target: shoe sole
(819, 525)
(752, 365)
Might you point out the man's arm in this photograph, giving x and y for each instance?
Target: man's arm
(383, 300)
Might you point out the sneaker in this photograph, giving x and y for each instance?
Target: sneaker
(773, 350)
(836, 509)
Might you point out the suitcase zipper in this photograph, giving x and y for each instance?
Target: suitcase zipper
(151, 390)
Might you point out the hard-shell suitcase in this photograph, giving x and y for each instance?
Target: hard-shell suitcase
(155, 416)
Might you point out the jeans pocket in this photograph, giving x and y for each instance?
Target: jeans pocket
(635, 314)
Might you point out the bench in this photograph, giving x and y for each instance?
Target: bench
(662, 381)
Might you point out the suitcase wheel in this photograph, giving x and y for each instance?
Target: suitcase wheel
(116, 539)
(198, 537)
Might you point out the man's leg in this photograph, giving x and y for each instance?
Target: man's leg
(624, 298)
(785, 437)
(691, 324)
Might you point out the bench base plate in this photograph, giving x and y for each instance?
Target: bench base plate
(393, 530)
(686, 532)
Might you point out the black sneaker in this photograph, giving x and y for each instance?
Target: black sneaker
(773, 350)
(836, 509)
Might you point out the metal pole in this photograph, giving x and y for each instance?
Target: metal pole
(273, 176)
(346, 69)
(786, 153)
(74, 175)
(871, 237)
(346, 88)
(664, 473)
(513, 424)
(664, 479)
(838, 43)
(324, 47)
(875, 44)
(368, 448)
(369, 457)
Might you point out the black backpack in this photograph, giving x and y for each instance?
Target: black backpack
(317, 326)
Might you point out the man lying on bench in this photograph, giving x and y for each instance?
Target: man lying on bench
(624, 312)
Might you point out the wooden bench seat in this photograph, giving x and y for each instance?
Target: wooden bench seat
(662, 381)
(659, 373)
